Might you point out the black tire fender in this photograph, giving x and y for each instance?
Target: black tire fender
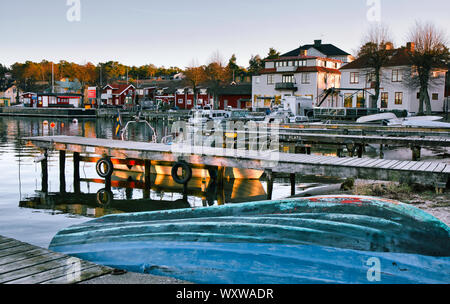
(104, 167)
(186, 168)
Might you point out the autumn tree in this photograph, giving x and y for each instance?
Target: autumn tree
(194, 76)
(217, 75)
(375, 50)
(429, 55)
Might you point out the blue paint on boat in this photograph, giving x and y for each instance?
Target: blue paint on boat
(325, 239)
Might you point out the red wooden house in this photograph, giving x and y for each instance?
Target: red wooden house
(238, 96)
(118, 94)
(185, 98)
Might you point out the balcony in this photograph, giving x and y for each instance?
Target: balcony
(286, 86)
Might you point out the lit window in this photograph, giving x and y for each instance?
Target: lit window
(384, 100)
(398, 98)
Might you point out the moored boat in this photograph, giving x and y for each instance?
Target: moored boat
(328, 239)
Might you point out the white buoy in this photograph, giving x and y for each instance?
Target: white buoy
(75, 121)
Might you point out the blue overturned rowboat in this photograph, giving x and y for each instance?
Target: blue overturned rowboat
(329, 239)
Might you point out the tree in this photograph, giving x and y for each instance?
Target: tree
(273, 54)
(217, 75)
(194, 76)
(430, 53)
(375, 51)
(256, 64)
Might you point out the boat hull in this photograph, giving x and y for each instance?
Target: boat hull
(315, 240)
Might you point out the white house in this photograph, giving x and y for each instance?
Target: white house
(396, 89)
(304, 72)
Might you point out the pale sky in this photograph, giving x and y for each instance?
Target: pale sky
(173, 33)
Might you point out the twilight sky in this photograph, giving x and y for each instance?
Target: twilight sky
(173, 33)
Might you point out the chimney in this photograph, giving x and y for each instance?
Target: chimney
(389, 46)
(317, 43)
(410, 46)
(304, 52)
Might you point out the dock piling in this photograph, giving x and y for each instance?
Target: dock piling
(62, 173)
(44, 169)
(76, 172)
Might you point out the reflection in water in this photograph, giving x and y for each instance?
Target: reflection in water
(104, 202)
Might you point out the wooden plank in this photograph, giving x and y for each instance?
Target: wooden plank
(447, 169)
(409, 166)
(424, 166)
(416, 166)
(432, 167)
(372, 165)
(31, 261)
(10, 245)
(22, 255)
(35, 269)
(402, 164)
(387, 164)
(59, 275)
(368, 163)
(439, 168)
(86, 274)
(15, 250)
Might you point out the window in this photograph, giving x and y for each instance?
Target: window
(348, 100)
(189, 102)
(360, 101)
(257, 80)
(398, 98)
(397, 76)
(288, 79)
(384, 100)
(270, 79)
(435, 96)
(354, 77)
(306, 78)
(180, 100)
(418, 95)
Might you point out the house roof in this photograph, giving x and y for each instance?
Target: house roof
(118, 89)
(397, 57)
(326, 49)
(237, 89)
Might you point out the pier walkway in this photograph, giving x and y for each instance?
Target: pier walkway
(425, 173)
(22, 263)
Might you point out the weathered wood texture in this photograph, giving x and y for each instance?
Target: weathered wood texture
(427, 173)
(22, 263)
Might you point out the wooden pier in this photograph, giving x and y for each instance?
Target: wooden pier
(22, 263)
(426, 173)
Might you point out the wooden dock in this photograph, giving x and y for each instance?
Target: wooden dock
(425, 173)
(22, 263)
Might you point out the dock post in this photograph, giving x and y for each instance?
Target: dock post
(220, 186)
(62, 174)
(381, 151)
(76, 172)
(269, 175)
(147, 181)
(416, 153)
(292, 178)
(359, 150)
(44, 169)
